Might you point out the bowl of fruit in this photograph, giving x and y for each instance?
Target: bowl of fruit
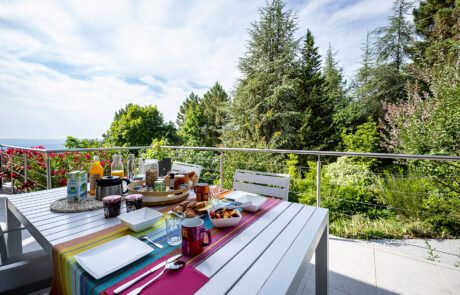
(224, 217)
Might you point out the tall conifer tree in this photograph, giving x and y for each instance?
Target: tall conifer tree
(264, 112)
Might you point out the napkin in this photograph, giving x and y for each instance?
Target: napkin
(184, 281)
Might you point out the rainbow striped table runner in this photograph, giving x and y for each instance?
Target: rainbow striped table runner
(70, 278)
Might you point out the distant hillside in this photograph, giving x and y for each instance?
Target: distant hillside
(47, 143)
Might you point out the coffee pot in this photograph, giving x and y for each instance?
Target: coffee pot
(110, 185)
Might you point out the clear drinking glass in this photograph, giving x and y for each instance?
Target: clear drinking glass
(214, 193)
(173, 228)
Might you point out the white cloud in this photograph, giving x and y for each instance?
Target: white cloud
(66, 67)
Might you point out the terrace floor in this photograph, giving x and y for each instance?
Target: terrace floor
(374, 267)
(358, 267)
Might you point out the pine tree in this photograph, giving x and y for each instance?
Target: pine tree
(192, 99)
(437, 23)
(264, 112)
(311, 84)
(393, 41)
(333, 101)
(215, 105)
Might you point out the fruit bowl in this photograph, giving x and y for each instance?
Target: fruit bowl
(232, 217)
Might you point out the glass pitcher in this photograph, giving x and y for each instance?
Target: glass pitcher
(117, 168)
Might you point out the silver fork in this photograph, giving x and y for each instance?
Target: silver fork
(151, 242)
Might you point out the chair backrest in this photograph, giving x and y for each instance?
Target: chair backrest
(185, 168)
(263, 183)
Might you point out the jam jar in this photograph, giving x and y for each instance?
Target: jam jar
(112, 205)
(179, 181)
(133, 202)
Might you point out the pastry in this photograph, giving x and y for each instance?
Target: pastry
(200, 205)
(191, 205)
(179, 208)
(189, 213)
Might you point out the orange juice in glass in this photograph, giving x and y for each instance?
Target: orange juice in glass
(117, 168)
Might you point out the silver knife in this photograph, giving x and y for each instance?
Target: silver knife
(152, 270)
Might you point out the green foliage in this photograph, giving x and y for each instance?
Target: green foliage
(192, 131)
(365, 139)
(201, 120)
(393, 41)
(437, 23)
(137, 125)
(264, 109)
(215, 103)
(73, 143)
(191, 101)
(156, 151)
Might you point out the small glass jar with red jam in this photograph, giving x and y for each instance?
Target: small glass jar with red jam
(133, 202)
(112, 205)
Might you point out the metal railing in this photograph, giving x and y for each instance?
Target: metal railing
(37, 166)
(221, 151)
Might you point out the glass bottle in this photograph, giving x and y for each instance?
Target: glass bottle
(131, 167)
(95, 172)
(117, 168)
(141, 166)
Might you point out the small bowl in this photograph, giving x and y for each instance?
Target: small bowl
(255, 200)
(141, 219)
(225, 222)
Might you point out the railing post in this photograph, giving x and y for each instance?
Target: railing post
(48, 172)
(26, 177)
(221, 168)
(11, 174)
(318, 182)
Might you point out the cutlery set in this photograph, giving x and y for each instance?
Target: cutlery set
(170, 263)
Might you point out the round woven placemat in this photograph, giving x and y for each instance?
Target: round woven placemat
(62, 206)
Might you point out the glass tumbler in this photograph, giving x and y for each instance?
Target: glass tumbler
(173, 228)
(214, 193)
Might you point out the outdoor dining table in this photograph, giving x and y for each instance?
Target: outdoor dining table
(270, 256)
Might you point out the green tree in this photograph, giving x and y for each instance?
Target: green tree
(311, 86)
(264, 110)
(193, 129)
(334, 100)
(73, 143)
(393, 41)
(392, 50)
(136, 125)
(437, 23)
(215, 104)
(191, 100)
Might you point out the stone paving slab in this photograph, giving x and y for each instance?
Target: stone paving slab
(360, 268)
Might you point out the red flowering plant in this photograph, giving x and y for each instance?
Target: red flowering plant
(60, 165)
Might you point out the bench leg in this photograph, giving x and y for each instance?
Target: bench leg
(322, 263)
(14, 240)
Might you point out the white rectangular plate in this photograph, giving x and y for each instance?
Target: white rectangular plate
(109, 257)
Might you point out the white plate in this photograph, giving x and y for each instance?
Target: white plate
(256, 202)
(109, 257)
(140, 219)
(237, 195)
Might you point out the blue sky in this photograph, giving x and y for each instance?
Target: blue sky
(67, 66)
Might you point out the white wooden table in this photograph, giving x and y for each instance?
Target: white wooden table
(271, 256)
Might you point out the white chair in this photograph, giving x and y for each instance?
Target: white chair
(186, 168)
(263, 183)
(23, 273)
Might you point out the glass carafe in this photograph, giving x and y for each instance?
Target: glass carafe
(117, 168)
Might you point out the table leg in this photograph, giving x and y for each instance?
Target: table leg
(14, 239)
(322, 263)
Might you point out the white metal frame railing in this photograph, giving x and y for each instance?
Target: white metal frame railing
(222, 150)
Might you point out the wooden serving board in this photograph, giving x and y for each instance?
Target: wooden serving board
(156, 198)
